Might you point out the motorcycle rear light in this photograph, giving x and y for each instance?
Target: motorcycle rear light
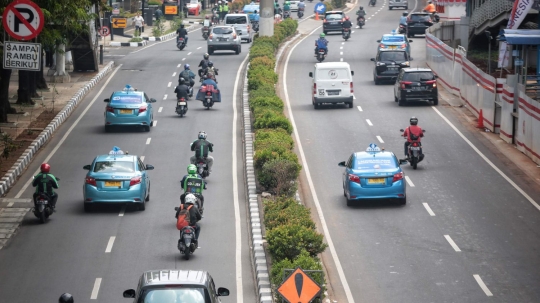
(135, 181)
(403, 83)
(354, 178)
(397, 177)
(209, 93)
(415, 144)
(142, 109)
(90, 181)
(187, 231)
(110, 109)
(352, 90)
(182, 99)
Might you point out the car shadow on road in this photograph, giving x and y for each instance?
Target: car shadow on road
(375, 204)
(329, 106)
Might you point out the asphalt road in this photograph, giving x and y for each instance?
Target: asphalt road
(465, 235)
(68, 254)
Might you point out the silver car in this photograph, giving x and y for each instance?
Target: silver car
(398, 3)
(294, 5)
(224, 38)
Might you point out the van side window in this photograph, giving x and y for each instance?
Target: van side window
(236, 20)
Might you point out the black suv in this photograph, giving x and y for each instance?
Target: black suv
(416, 84)
(388, 64)
(417, 23)
(332, 21)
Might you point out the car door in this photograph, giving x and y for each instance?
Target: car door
(144, 173)
(397, 90)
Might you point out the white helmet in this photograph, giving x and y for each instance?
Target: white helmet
(202, 135)
(190, 199)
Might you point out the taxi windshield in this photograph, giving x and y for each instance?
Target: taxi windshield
(114, 167)
(126, 99)
(375, 163)
(393, 39)
(179, 295)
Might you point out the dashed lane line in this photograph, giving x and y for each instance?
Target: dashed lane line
(430, 212)
(409, 181)
(160, 109)
(452, 243)
(483, 285)
(122, 211)
(189, 53)
(179, 65)
(341, 53)
(359, 108)
(183, 59)
(199, 47)
(110, 244)
(174, 74)
(165, 97)
(169, 84)
(369, 122)
(95, 290)
(148, 141)
(341, 59)
(154, 124)
(380, 139)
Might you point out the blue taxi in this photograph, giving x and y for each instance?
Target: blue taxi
(373, 174)
(395, 41)
(129, 107)
(116, 178)
(251, 8)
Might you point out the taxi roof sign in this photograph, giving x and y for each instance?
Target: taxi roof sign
(129, 88)
(373, 148)
(116, 151)
(299, 287)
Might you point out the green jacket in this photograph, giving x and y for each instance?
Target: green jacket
(45, 183)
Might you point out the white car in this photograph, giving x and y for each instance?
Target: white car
(398, 3)
(332, 83)
(294, 5)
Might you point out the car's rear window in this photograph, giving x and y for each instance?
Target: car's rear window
(180, 294)
(333, 74)
(418, 76)
(127, 99)
(236, 20)
(393, 39)
(421, 18)
(114, 167)
(375, 163)
(222, 30)
(392, 56)
(334, 16)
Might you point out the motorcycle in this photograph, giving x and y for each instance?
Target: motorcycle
(181, 107)
(414, 152)
(300, 13)
(255, 25)
(286, 14)
(346, 33)
(202, 168)
(180, 43)
(361, 21)
(208, 94)
(187, 243)
(206, 32)
(215, 18)
(372, 2)
(402, 29)
(310, 1)
(321, 55)
(42, 208)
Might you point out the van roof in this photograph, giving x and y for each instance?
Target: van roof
(235, 15)
(332, 65)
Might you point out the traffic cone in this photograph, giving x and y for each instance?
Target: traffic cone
(316, 16)
(196, 12)
(480, 120)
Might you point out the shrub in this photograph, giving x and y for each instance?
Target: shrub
(261, 75)
(279, 176)
(268, 118)
(265, 138)
(286, 211)
(265, 155)
(262, 62)
(338, 3)
(304, 261)
(329, 6)
(266, 90)
(155, 2)
(289, 26)
(288, 241)
(271, 40)
(267, 101)
(261, 50)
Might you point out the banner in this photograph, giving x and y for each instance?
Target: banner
(519, 11)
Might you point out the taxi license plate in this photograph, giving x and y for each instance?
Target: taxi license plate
(393, 47)
(126, 111)
(181, 103)
(375, 181)
(112, 183)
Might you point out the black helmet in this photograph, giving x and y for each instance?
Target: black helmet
(181, 80)
(210, 64)
(65, 298)
(361, 7)
(413, 121)
(255, 12)
(206, 56)
(405, 13)
(181, 25)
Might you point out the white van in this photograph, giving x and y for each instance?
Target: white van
(332, 83)
(241, 24)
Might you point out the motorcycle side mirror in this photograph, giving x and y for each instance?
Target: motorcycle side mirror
(152, 100)
(130, 293)
(372, 59)
(222, 292)
(436, 77)
(342, 164)
(410, 41)
(423, 130)
(379, 41)
(402, 161)
(87, 167)
(106, 100)
(149, 167)
(311, 74)
(176, 208)
(401, 130)
(57, 179)
(352, 73)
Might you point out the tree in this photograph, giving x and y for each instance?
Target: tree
(63, 18)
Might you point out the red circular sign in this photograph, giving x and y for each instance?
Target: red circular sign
(104, 31)
(23, 19)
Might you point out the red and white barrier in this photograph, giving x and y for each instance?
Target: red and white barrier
(527, 140)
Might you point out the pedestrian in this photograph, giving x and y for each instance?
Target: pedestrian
(158, 13)
(185, 10)
(139, 24)
(225, 9)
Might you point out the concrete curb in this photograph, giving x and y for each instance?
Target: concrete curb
(131, 44)
(262, 274)
(18, 168)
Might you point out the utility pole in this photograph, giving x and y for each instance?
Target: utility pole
(488, 35)
(266, 23)
(110, 22)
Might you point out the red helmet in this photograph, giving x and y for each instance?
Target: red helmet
(347, 18)
(45, 168)
(207, 17)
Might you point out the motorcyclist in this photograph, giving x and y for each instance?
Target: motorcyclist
(188, 75)
(212, 70)
(194, 214)
(403, 18)
(301, 5)
(44, 182)
(207, 24)
(255, 17)
(346, 24)
(182, 90)
(66, 298)
(287, 8)
(321, 43)
(201, 147)
(430, 7)
(413, 133)
(188, 189)
(181, 32)
(361, 13)
(203, 64)
(210, 80)
(278, 10)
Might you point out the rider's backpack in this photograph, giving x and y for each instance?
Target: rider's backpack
(183, 217)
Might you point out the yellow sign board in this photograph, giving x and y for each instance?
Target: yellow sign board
(119, 22)
(171, 10)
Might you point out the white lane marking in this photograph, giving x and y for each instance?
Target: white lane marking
(452, 243)
(341, 53)
(10, 204)
(95, 291)
(174, 74)
(521, 191)
(341, 59)
(352, 32)
(148, 141)
(409, 181)
(122, 211)
(237, 222)
(110, 244)
(165, 97)
(160, 109)
(342, 43)
(199, 47)
(430, 212)
(326, 232)
(183, 59)
(369, 122)
(341, 47)
(359, 108)
(67, 133)
(169, 84)
(154, 124)
(380, 139)
(179, 65)
(142, 158)
(483, 285)
(189, 53)
(353, 96)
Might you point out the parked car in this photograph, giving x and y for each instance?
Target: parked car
(332, 83)
(194, 7)
(224, 38)
(395, 41)
(332, 21)
(416, 84)
(417, 23)
(388, 64)
(398, 3)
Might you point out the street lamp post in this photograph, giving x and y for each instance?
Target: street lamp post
(488, 35)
